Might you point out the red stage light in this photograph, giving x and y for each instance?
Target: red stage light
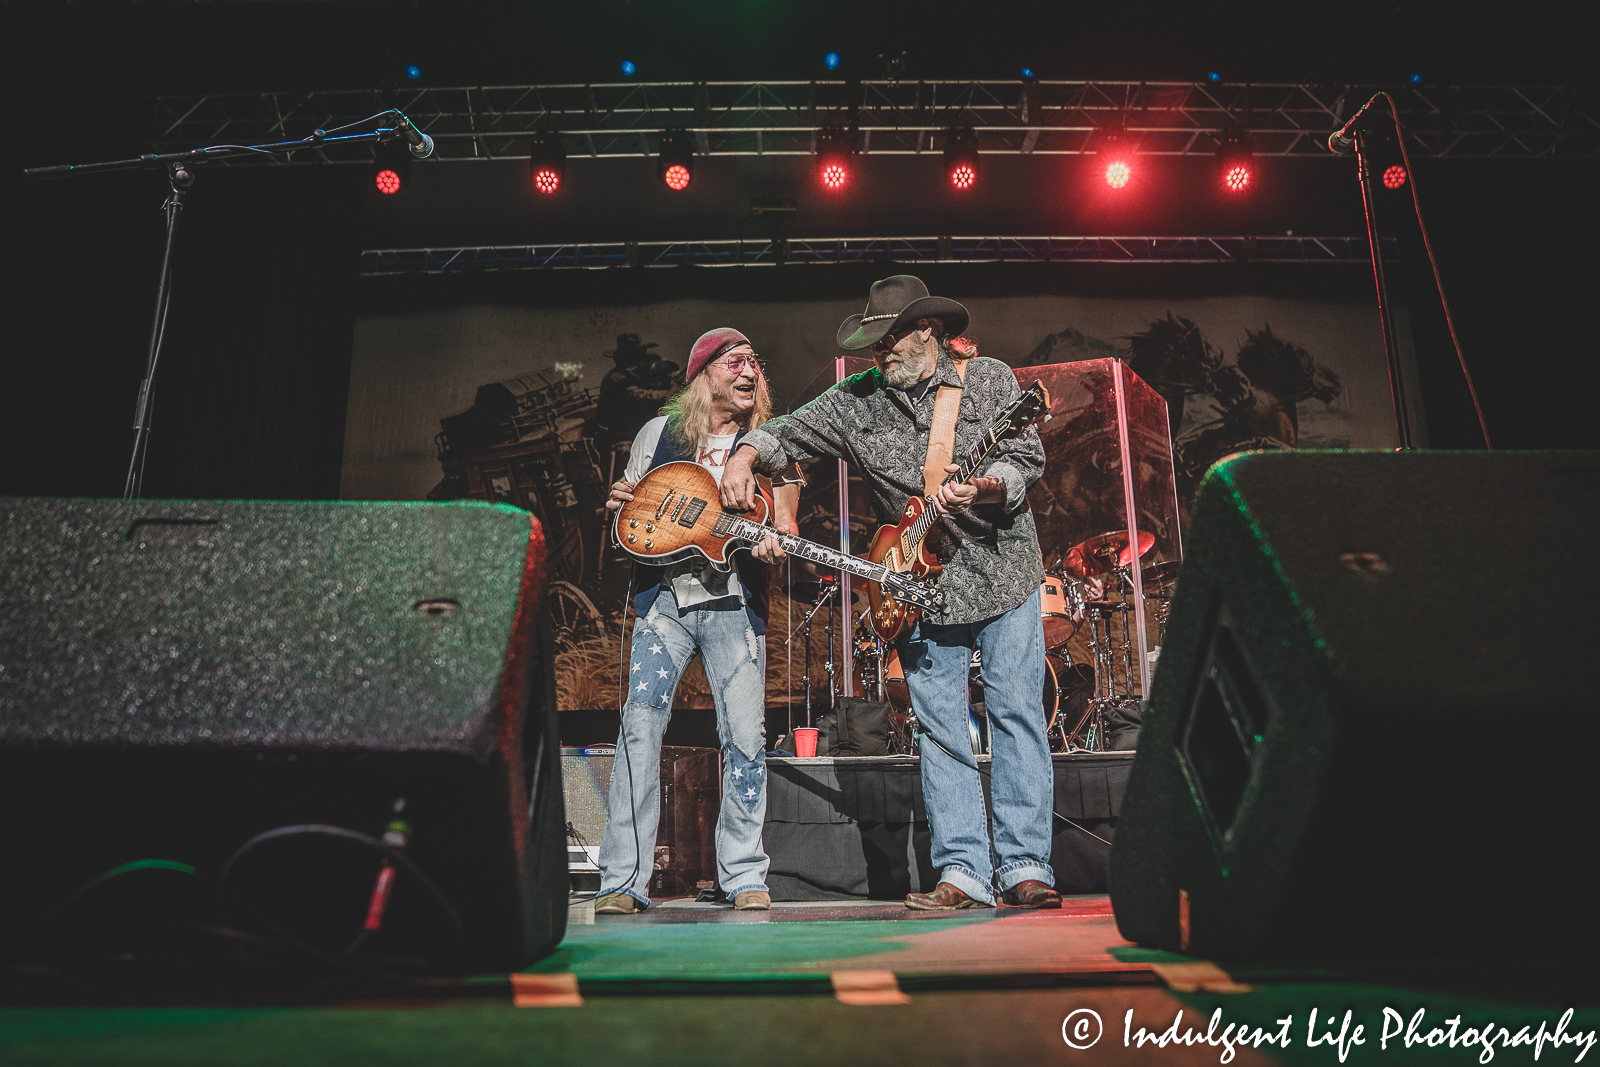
(836, 149)
(1117, 174)
(1394, 177)
(547, 162)
(388, 182)
(961, 157)
(1234, 160)
(676, 177)
(546, 180)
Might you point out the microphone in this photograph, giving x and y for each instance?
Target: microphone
(1342, 142)
(421, 143)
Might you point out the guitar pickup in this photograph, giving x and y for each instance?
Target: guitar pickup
(692, 512)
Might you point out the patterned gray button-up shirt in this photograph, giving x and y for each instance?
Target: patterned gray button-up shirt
(990, 552)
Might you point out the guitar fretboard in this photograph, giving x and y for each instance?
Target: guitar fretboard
(731, 525)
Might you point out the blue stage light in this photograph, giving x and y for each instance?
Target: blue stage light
(1416, 79)
(831, 61)
(1214, 76)
(628, 69)
(413, 72)
(1027, 72)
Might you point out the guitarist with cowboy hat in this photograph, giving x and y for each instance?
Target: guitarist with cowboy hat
(881, 422)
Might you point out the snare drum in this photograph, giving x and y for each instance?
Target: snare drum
(1059, 600)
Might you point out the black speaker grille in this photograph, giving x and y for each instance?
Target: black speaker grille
(1224, 723)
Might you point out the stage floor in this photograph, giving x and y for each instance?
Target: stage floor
(848, 983)
(682, 941)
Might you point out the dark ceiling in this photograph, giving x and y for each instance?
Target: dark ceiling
(139, 47)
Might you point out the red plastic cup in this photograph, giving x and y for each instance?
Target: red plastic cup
(805, 741)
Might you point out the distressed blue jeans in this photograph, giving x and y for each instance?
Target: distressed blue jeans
(936, 660)
(735, 662)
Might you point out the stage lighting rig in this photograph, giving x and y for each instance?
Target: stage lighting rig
(391, 168)
(1115, 146)
(961, 157)
(1235, 162)
(836, 152)
(1394, 177)
(547, 162)
(675, 163)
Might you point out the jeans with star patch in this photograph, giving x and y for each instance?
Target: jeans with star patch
(735, 662)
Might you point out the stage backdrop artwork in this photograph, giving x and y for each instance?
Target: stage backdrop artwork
(536, 406)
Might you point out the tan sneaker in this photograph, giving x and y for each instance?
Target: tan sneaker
(753, 900)
(617, 904)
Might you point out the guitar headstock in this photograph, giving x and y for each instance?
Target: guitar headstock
(1032, 406)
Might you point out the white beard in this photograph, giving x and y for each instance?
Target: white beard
(903, 373)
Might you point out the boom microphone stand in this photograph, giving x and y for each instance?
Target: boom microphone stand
(1353, 136)
(180, 168)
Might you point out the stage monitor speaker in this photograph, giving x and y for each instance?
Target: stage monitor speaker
(179, 676)
(1373, 729)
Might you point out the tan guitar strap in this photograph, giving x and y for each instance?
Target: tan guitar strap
(942, 435)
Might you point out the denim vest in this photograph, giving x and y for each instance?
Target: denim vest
(754, 575)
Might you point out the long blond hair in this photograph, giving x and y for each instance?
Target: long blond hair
(688, 411)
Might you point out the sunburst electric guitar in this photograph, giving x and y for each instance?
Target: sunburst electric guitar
(902, 548)
(676, 512)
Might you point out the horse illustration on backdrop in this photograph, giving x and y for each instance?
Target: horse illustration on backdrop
(1257, 397)
(1175, 360)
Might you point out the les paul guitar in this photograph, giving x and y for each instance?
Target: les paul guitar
(902, 548)
(676, 512)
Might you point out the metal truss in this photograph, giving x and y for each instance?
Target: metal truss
(822, 251)
(900, 118)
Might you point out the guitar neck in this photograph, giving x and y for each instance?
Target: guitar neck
(980, 452)
(912, 539)
(733, 525)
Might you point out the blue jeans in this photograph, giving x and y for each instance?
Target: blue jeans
(735, 662)
(936, 660)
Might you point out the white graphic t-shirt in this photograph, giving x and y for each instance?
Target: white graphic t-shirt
(694, 581)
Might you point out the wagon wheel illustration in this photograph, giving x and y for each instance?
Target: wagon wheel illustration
(573, 614)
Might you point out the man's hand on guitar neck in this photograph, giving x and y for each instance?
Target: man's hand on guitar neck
(955, 497)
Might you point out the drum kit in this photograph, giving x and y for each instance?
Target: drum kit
(1091, 585)
(1096, 579)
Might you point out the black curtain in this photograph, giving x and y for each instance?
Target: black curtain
(250, 398)
(250, 393)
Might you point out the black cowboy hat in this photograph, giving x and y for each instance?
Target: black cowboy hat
(894, 303)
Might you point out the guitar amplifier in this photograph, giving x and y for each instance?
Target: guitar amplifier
(684, 856)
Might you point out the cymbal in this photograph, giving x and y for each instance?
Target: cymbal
(1104, 553)
(1160, 577)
